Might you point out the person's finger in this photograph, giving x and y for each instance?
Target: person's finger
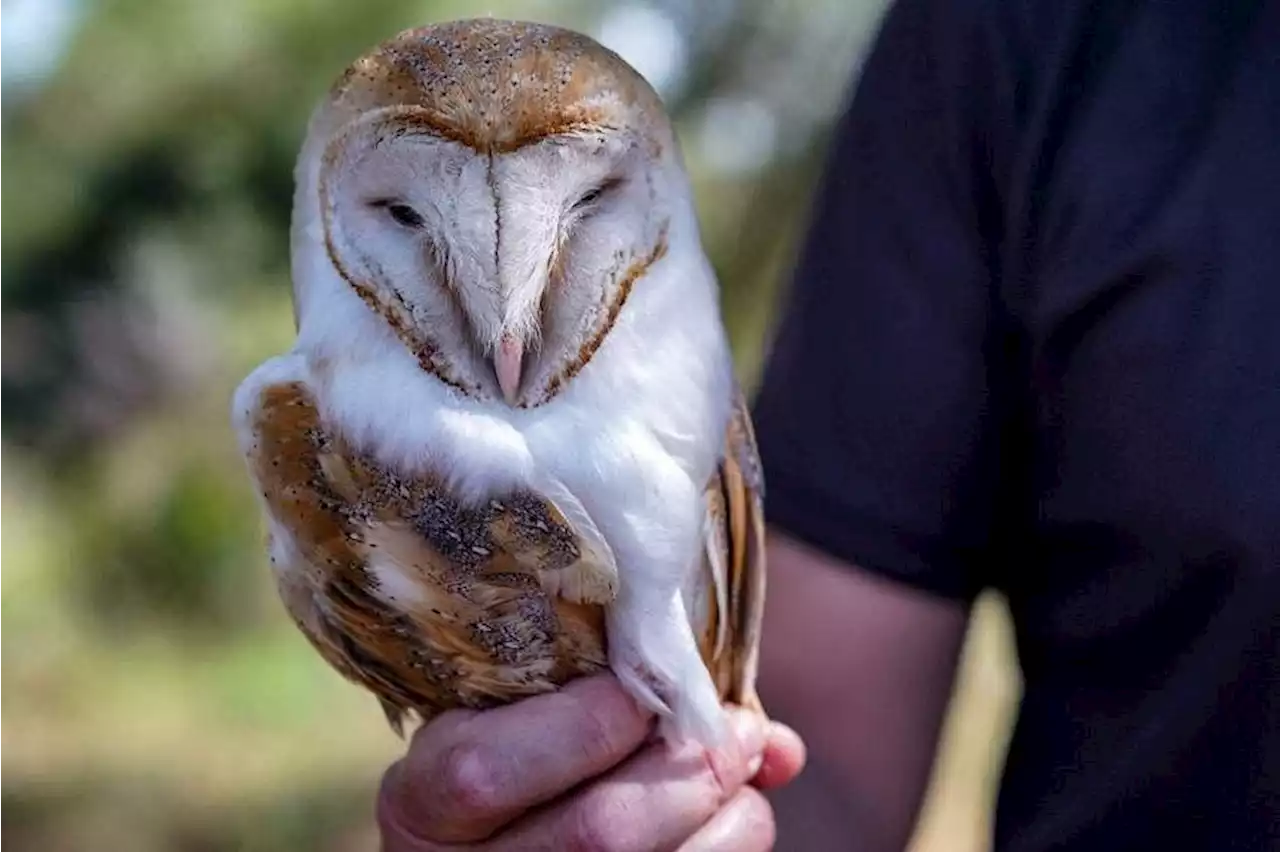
(745, 824)
(653, 801)
(784, 757)
(468, 774)
(393, 832)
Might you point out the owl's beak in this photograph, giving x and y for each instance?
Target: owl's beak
(507, 361)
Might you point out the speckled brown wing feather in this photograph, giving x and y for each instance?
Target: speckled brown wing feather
(433, 604)
(735, 504)
(429, 603)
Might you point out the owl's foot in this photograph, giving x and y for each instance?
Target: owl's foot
(751, 701)
(655, 657)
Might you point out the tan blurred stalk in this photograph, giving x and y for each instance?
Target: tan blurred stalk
(957, 812)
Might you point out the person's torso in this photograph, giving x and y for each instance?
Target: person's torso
(1145, 264)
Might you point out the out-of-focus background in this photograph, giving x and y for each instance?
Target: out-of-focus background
(156, 698)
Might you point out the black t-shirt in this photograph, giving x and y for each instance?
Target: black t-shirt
(1034, 345)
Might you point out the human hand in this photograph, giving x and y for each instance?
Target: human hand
(513, 778)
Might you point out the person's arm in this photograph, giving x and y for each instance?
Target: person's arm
(864, 667)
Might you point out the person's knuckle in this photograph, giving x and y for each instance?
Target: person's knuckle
(469, 780)
(388, 795)
(596, 734)
(712, 777)
(390, 814)
(600, 826)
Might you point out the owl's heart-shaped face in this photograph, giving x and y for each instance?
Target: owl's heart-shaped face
(493, 191)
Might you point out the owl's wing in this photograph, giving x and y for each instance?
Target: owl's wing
(427, 602)
(735, 562)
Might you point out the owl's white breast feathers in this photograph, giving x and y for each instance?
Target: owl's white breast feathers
(641, 426)
(633, 438)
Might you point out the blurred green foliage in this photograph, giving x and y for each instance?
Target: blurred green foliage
(157, 698)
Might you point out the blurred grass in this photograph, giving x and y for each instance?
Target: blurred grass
(154, 709)
(155, 695)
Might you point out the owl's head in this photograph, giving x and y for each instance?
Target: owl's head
(492, 190)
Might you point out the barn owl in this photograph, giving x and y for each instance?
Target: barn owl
(507, 448)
